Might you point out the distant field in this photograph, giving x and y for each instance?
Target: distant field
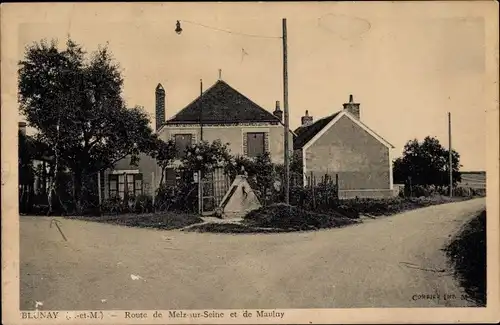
(473, 179)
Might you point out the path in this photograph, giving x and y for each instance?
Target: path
(380, 263)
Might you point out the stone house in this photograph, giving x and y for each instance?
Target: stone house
(341, 145)
(220, 113)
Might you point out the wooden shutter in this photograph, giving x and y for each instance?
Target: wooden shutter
(245, 144)
(182, 142)
(266, 142)
(255, 143)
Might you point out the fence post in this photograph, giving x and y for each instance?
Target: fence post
(153, 189)
(99, 188)
(337, 185)
(200, 193)
(313, 184)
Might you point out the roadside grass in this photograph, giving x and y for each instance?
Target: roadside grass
(275, 218)
(278, 218)
(164, 220)
(232, 228)
(287, 217)
(355, 208)
(467, 253)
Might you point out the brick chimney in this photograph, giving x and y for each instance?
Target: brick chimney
(352, 107)
(277, 111)
(160, 106)
(306, 119)
(22, 127)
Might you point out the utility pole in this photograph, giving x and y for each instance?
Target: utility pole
(201, 109)
(285, 111)
(200, 176)
(450, 155)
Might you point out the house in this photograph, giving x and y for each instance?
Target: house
(223, 113)
(220, 113)
(341, 145)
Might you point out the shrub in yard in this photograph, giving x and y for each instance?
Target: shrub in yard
(478, 192)
(462, 191)
(180, 197)
(113, 205)
(421, 190)
(143, 203)
(283, 216)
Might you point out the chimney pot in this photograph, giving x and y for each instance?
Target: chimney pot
(352, 107)
(277, 111)
(160, 106)
(306, 119)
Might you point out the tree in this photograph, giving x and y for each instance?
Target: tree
(164, 153)
(26, 170)
(205, 156)
(75, 104)
(426, 163)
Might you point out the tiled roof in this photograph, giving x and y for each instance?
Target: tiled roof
(222, 104)
(306, 133)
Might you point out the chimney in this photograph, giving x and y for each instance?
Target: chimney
(352, 107)
(306, 119)
(22, 127)
(277, 111)
(160, 106)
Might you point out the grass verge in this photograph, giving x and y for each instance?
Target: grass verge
(354, 208)
(290, 218)
(467, 253)
(166, 220)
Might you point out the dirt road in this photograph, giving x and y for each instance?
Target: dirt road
(389, 262)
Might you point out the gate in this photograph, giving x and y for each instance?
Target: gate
(214, 186)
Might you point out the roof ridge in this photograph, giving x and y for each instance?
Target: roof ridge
(195, 99)
(321, 119)
(246, 97)
(221, 85)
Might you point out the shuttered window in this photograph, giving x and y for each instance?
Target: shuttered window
(255, 144)
(182, 142)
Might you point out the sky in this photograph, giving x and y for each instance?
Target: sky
(407, 64)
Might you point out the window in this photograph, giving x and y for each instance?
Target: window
(137, 184)
(119, 184)
(182, 142)
(113, 185)
(171, 177)
(255, 144)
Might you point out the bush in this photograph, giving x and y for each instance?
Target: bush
(182, 197)
(113, 205)
(462, 192)
(467, 252)
(478, 192)
(143, 203)
(284, 216)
